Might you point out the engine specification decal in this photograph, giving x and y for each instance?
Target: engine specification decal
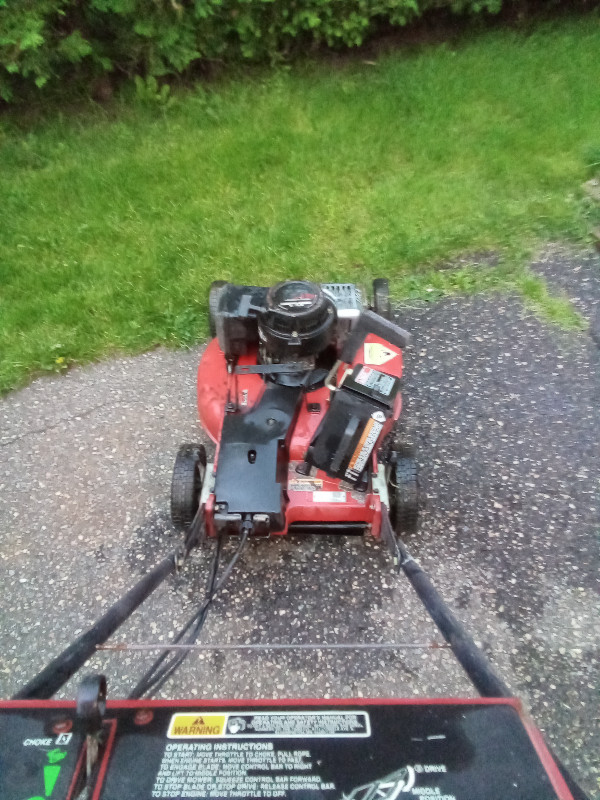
(329, 497)
(272, 724)
(378, 381)
(296, 484)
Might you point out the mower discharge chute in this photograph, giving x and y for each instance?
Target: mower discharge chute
(300, 391)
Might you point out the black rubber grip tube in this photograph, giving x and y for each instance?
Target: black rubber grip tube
(470, 657)
(60, 669)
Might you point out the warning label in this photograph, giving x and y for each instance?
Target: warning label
(236, 770)
(304, 724)
(191, 726)
(378, 354)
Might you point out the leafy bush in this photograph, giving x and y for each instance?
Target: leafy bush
(54, 41)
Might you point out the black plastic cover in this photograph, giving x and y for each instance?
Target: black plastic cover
(248, 477)
(369, 322)
(298, 320)
(293, 319)
(235, 317)
(373, 384)
(354, 423)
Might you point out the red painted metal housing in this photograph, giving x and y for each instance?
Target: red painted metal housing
(319, 498)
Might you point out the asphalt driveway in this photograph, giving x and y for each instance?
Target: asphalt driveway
(505, 412)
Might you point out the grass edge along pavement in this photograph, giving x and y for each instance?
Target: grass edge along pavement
(507, 276)
(115, 222)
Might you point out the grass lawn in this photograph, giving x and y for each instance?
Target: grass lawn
(114, 222)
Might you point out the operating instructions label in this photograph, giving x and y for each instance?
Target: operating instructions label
(236, 770)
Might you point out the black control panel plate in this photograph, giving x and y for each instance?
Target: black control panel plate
(340, 750)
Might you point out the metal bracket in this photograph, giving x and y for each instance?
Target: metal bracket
(270, 369)
(380, 484)
(330, 380)
(208, 485)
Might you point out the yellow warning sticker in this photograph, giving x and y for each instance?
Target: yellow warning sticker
(194, 726)
(378, 354)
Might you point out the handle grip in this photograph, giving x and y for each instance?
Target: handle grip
(369, 322)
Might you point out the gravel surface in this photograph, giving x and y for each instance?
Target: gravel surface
(504, 410)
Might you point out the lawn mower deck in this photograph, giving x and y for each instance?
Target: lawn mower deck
(300, 391)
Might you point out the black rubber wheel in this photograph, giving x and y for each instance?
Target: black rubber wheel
(186, 484)
(213, 304)
(91, 700)
(397, 443)
(404, 494)
(381, 298)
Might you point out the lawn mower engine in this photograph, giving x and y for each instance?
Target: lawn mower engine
(300, 391)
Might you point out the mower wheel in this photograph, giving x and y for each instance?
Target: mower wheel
(213, 305)
(91, 699)
(186, 484)
(404, 494)
(381, 298)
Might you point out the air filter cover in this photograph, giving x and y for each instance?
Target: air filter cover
(298, 320)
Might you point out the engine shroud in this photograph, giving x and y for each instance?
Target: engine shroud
(291, 321)
(297, 322)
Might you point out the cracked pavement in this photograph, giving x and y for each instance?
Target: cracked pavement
(504, 411)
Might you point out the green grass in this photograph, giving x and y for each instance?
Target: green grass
(509, 276)
(113, 223)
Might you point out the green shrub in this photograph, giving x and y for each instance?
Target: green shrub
(46, 42)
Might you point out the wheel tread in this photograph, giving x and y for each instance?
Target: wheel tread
(186, 483)
(405, 493)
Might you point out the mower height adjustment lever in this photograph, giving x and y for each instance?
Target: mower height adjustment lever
(270, 369)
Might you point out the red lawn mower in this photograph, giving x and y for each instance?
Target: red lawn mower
(300, 391)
